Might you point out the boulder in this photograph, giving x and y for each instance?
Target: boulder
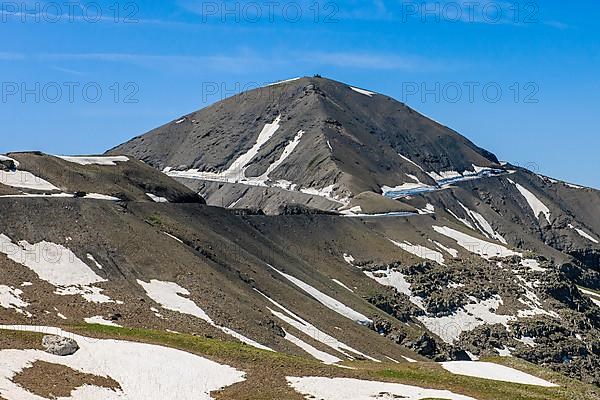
(59, 346)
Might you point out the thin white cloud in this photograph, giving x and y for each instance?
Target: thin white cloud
(4, 56)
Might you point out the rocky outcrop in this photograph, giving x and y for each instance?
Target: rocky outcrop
(59, 346)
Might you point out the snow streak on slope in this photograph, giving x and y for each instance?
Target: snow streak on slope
(91, 160)
(237, 171)
(58, 266)
(363, 91)
(411, 161)
(584, 234)
(484, 226)
(169, 296)
(326, 300)
(494, 372)
(421, 251)
(535, 204)
(325, 358)
(345, 389)
(485, 249)
(312, 331)
(143, 371)
(284, 81)
(289, 149)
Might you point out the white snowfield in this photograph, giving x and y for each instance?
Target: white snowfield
(170, 296)
(477, 246)
(326, 300)
(535, 204)
(354, 389)
(95, 160)
(494, 372)
(58, 266)
(143, 371)
(584, 234)
(363, 91)
(25, 180)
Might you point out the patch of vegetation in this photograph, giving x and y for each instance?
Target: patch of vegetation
(154, 220)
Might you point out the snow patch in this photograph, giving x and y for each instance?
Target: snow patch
(349, 259)
(92, 160)
(25, 180)
(363, 91)
(56, 265)
(284, 81)
(535, 204)
(484, 226)
(10, 298)
(157, 199)
(496, 372)
(345, 388)
(478, 313)
(99, 320)
(584, 234)
(170, 296)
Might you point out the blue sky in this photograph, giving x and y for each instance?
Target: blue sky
(518, 78)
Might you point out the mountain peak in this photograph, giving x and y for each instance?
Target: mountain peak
(309, 135)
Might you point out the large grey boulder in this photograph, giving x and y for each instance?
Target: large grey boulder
(59, 346)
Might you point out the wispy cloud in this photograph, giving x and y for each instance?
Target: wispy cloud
(67, 70)
(4, 56)
(169, 62)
